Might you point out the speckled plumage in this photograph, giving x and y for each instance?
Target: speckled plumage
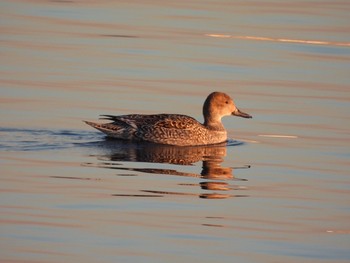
(174, 129)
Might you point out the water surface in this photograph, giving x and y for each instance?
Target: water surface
(277, 192)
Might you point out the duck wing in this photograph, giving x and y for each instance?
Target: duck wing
(174, 129)
(176, 122)
(135, 120)
(169, 121)
(171, 129)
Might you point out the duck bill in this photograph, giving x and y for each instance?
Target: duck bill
(242, 114)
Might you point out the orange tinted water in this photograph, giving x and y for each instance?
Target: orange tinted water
(278, 193)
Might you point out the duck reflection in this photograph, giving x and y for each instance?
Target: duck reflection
(123, 156)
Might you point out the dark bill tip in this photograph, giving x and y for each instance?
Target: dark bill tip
(242, 114)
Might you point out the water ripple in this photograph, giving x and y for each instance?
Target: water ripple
(17, 139)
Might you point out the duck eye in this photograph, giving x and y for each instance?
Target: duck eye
(226, 102)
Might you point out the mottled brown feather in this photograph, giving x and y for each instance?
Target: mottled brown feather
(174, 129)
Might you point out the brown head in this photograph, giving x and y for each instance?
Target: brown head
(218, 105)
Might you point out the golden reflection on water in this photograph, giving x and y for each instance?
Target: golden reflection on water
(286, 40)
(122, 156)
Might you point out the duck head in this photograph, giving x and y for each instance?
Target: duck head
(218, 105)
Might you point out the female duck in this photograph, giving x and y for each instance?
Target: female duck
(174, 129)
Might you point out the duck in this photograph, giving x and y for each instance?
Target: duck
(174, 129)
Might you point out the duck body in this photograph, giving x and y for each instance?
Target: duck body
(174, 129)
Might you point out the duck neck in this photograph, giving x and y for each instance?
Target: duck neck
(213, 123)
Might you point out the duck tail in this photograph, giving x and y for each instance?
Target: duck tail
(101, 127)
(93, 124)
(112, 130)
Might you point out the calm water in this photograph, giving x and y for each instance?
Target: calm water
(279, 191)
